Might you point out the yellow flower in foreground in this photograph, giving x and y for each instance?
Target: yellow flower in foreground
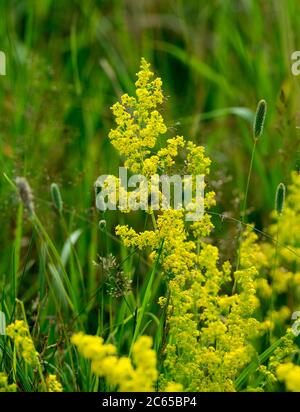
(136, 375)
(53, 385)
(173, 387)
(290, 374)
(120, 371)
(4, 386)
(18, 331)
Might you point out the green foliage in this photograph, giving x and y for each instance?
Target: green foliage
(67, 64)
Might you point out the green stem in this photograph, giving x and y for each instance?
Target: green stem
(244, 212)
(153, 220)
(272, 277)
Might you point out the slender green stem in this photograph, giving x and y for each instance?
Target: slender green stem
(153, 221)
(272, 303)
(244, 211)
(248, 181)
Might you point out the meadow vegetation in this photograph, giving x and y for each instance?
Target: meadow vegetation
(145, 300)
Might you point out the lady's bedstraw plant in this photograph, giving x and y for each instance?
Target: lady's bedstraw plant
(209, 331)
(138, 137)
(20, 335)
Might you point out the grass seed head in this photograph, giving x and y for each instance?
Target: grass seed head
(116, 282)
(259, 119)
(56, 197)
(25, 193)
(280, 198)
(102, 224)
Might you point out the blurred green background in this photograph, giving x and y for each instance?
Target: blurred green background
(69, 61)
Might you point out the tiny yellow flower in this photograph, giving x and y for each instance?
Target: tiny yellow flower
(18, 331)
(290, 374)
(53, 385)
(4, 385)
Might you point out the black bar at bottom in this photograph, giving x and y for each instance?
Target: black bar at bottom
(142, 400)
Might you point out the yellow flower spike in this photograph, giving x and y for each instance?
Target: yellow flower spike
(18, 331)
(290, 374)
(53, 385)
(173, 387)
(4, 385)
(145, 359)
(139, 375)
(138, 122)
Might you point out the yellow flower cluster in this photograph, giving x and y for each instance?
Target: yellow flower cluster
(140, 374)
(172, 387)
(53, 384)
(139, 124)
(290, 374)
(164, 158)
(209, 332)
(285, 277)
(18, 331)
(277, 266)
(210, 325)
(4, 385)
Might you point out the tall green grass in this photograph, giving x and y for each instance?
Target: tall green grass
(67, 62)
